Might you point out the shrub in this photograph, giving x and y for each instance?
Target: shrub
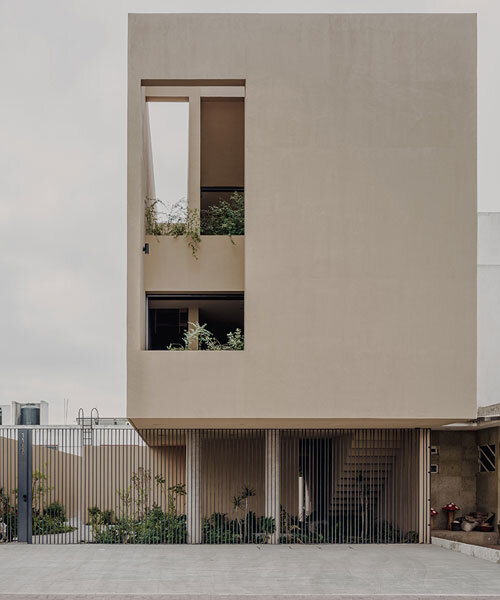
(225, 218)
(104, 516)
(8, 514)
(56, 511)
(156, 527)
(218, 529)
(45, 524)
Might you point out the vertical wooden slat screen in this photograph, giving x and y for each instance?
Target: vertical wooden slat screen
(221, 486)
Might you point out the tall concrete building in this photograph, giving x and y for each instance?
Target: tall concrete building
(301, 348)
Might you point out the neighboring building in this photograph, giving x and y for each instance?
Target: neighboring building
(353, 141)
(464, 461)
(488, 309)
(27, 413)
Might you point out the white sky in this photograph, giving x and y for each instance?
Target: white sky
(63, 182)
(169, 127)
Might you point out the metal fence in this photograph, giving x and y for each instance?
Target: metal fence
(218, 486)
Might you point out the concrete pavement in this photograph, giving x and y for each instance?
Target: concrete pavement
(186, 572)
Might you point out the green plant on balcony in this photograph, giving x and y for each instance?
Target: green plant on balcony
(198, 336)
(179, 221)
(225, 218)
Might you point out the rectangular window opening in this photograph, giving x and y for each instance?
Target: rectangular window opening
(168, 181)
(218, 319)
(487, 458)
(222, 140)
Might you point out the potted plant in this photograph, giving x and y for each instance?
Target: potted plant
(434, 512)
(451, 508)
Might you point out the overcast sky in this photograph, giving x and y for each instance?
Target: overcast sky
(63, 183)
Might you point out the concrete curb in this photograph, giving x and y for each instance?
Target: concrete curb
(490, 554)
(311, 596)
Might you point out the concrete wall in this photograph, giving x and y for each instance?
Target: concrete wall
(488, 484)
(227, 465)
(170, 266)
(456, 480)
(360, 245)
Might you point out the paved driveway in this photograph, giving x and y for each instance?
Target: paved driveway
(84, 571)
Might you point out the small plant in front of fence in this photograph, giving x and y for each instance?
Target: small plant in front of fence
(219, 529)
(39, 490)
(46, 525)
(8, 517)
(50, 519)
(240, 503)
(137, 522)
(105, 515)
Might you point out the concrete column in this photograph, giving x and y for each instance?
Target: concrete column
(193, 495)
(193, 317)
(424, 486)
(272, 478)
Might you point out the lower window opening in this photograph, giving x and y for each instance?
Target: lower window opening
(195, 322)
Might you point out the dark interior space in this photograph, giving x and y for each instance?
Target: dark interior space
(169, 315)
(166, 326)
(222, 317)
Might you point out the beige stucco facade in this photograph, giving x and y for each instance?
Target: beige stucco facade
(358, 262)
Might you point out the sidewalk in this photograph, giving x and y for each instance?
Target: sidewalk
(187, 572)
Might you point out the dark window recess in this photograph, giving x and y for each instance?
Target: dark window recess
(222, 317)
(1, 417)
(487, 458)
(168, 316)
(166, 326)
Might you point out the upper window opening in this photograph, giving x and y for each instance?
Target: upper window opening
(222, 166)
(195, 161)
(169, 130)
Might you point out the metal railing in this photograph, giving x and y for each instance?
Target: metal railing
(217, 486)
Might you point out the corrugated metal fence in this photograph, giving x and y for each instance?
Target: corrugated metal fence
(217, 486)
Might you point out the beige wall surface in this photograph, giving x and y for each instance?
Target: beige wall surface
(360, 245)
(170, 265)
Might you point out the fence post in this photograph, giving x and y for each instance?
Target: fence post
(272, 481)
(424, 486)
(193, 512)
(24, 483)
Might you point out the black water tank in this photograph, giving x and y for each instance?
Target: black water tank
(30, 415)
